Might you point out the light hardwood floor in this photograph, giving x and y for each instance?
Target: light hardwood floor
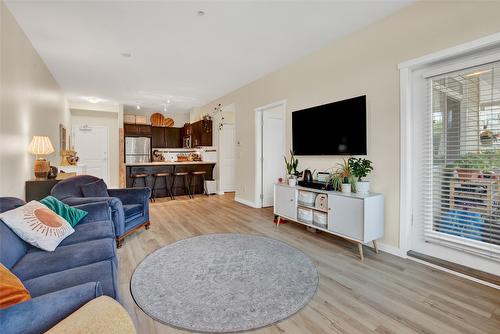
(383, 294)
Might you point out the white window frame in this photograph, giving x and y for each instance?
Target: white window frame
(451, 57)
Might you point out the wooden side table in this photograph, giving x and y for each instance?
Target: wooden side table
(39, 189)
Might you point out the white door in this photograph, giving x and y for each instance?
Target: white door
(272, 151)
(91, 145)
(228, 158)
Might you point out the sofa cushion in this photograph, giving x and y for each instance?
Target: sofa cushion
(37, 262)
(12, 290)
(37, 225)
(132, 210)
(71, 187)
(103, 272)
(90, 231)
(95, 189)
(12, 248)
(71, 214)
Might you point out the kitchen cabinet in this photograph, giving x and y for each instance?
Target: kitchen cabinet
(173, 138)
(201, 133)
(158, 137)
(166, 137)
(137, 129)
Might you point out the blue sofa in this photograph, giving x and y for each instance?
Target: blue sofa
(82, 267)
(129, 207)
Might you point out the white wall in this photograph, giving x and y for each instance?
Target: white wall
(109, 120)
(32, 103)
(364, 62)
(179, 118)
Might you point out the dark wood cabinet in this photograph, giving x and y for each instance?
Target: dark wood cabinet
(137, 129)
(173, 137)
(201, 134)
(38, 189)
(163, 137)
(158, 137)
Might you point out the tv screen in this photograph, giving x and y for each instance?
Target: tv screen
(337, 128)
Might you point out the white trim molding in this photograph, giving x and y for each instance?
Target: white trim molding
(247, 202)
(477, 52)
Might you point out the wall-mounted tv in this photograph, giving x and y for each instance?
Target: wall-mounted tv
(337, 128)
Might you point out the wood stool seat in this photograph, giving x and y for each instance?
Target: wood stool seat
(167, 188)
(194, 175)
(139, 175)
(181, 173)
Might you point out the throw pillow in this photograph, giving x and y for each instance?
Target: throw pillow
(12, 290)
(37, 225)
(72, 215)
(95, 189)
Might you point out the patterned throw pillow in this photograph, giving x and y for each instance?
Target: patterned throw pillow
(37, 225)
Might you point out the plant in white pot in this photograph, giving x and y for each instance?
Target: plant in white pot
(291, 169)
(361, 168)
(344, 172)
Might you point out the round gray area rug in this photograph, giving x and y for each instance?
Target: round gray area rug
(224, 283)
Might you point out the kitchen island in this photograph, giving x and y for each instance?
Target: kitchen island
(169, 167)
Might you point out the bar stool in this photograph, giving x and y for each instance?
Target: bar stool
(167, 188)
(186, 183)
(140, 176)
(194, 175)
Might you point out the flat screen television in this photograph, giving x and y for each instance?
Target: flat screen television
(337, 128)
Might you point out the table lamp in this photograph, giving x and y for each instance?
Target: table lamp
(41, 145)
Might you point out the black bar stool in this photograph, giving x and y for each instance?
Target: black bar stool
(139, 176)
(194, 176)
(186, 184)
(167, 188)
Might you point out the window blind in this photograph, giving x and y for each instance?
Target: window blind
(461, 178)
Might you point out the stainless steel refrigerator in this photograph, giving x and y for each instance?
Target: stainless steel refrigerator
(137, 149)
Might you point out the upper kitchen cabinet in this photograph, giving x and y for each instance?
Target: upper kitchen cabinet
(173, 137)
(158, 137)
(166, 137)
(201, 133)
(137, 130)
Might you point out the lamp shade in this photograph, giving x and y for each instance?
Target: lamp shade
(40, 145)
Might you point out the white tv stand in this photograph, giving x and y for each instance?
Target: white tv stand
(356, 217)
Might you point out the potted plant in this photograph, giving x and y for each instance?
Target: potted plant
(469, 166)
(361, 168)
(344, 171)
(291, 169)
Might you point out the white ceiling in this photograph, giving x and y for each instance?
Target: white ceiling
(175, 53)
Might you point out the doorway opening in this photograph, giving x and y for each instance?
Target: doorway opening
(270, 148)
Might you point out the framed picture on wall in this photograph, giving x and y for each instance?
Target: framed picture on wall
(62, 137)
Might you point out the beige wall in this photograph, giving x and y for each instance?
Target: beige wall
(110, 121)
(364, 62)
(32, 103)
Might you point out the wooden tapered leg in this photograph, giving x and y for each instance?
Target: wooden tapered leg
(375, 246)
(360, 248)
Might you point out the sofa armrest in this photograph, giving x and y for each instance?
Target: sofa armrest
(131, 195)
(98, 211)
(41, 313)
(114, 203)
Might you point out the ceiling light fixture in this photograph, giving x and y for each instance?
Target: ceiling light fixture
(201, 12)
(138, 107)
(93, 99)
(126, 54)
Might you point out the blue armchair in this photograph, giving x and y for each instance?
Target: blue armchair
(129, 207)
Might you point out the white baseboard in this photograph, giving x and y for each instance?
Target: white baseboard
(392, 250)
(220, 193)
(245, 202)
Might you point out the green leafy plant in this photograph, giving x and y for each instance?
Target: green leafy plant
(343, 174)
(360, 167)
(291, 165)
(485, 161)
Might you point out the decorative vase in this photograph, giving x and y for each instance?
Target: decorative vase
(346, 187)
(362, 187)
(292, 181)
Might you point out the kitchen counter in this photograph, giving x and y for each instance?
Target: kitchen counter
(169, 163)
(176, 183)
